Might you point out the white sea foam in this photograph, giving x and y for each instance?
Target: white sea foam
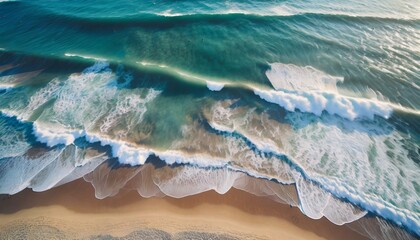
(127, 153)
(172, 157)
(295, 78)
(168, 13)
(6, 86)
(94, 101)
(221, 128)
(225, 154)
(128, 102)
(350, 9)
(333, 156)
(214, 86)
(13, 142)
(18, 78)
(317, 203)
(189, 180)
(17, 172)
(108, 181)
(195, 180)
(85, 57)
(342, 213)
(63, 165)
(53, 137)
(367, 152)
(41, 97)
(45, 168)
(89, 102)
(299, 88)
(135, 155)
(346, 107)
(310, 90)
(83, 166)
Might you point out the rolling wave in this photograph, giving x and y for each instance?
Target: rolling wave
(332, 184)
(291, 99)
(135, 155)
(317, 92)
(98, 123)
(85, 57)
(309, 100)
(156, 19)
(128, 153)
(172, 18)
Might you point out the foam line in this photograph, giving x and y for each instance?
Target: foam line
(279, 11)
(297, 88)
(85, 57)
(402, 217)
(295, 78)
(127, 153)
(214, 86)
(131, 154)
(316, 103)
(6, 86)
(291, 98)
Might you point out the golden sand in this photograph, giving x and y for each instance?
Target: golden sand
(71, 211)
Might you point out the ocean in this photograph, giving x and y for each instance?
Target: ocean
(315, 104)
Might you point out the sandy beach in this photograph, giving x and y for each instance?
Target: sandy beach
(72, 212)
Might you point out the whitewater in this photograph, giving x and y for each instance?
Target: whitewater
(134, 154)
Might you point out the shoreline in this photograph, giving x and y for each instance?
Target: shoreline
(72, 211)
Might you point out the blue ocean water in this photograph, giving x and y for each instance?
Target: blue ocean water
(311, 103)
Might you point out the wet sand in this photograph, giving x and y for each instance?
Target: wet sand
(71, 211)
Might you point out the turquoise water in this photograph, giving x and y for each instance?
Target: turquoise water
(321, 95)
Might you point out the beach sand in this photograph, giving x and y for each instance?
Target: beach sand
(71, 211)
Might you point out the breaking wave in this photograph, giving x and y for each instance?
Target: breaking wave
(240, 147)
(38, 170)
(298, 88)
